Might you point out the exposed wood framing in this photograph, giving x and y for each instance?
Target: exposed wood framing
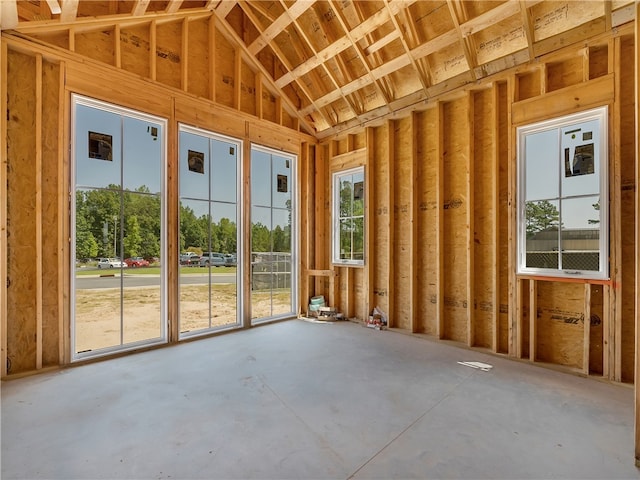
(470, 289)
(38, 210)
(3, 210)
(637, 239)
(440, 222)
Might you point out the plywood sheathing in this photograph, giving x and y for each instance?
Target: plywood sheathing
(456, 202)
(52, 217)
(560, 323)
(21, 260)
(484, 213)
(427, 217)
(401, 209)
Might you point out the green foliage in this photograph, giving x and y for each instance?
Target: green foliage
(540, 216)
(98, 223)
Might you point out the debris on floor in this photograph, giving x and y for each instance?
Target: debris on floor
(485, 367)
(377, 319)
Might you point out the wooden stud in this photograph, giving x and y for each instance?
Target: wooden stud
(615, 241)
(321, 205)
(117, 46)
(64, 199)
(184, 56)
(637, 242)
(245, 243)
(413, 248)
(212, 58)
(606, 332)
(389, 283)
(370, 221)
(72, 40)
(495, 202)
(514, 286)
(3, 209)
(258, 95)
(533, 320)
(173, 228)
(38, 210)
(153, 46)
(587, 328)
(306, 230)
(470, 193)
(439, 134)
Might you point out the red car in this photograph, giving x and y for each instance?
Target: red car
(135, 262)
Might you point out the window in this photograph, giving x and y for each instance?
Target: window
(562, 196)
(348, 216)
(118, 224)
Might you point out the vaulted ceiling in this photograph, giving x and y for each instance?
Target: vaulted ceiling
(344, 63)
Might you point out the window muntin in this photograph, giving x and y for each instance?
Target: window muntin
(348, 216)
(563, 199)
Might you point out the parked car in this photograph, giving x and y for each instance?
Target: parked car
(190, 259)
(111, 263)
(230, 260)
(213, 259)
(135, 262)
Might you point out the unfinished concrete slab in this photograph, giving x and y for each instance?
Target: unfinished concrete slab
(303, 400)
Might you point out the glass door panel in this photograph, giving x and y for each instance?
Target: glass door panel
(272, 289)
(118, 224)
(209, 167)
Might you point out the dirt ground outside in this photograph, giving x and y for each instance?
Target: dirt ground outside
(97, 312)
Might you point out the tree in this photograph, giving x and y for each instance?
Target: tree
(132, 240)
(596, 207)
(541, 215)
(86, 245)
(260, 238)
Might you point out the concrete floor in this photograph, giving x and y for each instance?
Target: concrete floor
(297, 400)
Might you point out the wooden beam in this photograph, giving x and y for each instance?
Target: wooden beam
(224, 7)
(495, 216)
(8, 14)
(230, 33)
(54, 7)
(139, 7)
(357, 34)
(69, 11)
(290, 14)
(465, 42)
(527, 27)
(173, 6)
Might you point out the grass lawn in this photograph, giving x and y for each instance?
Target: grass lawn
(154, 270)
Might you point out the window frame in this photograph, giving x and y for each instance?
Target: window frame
(335, 226)
(600, 164)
